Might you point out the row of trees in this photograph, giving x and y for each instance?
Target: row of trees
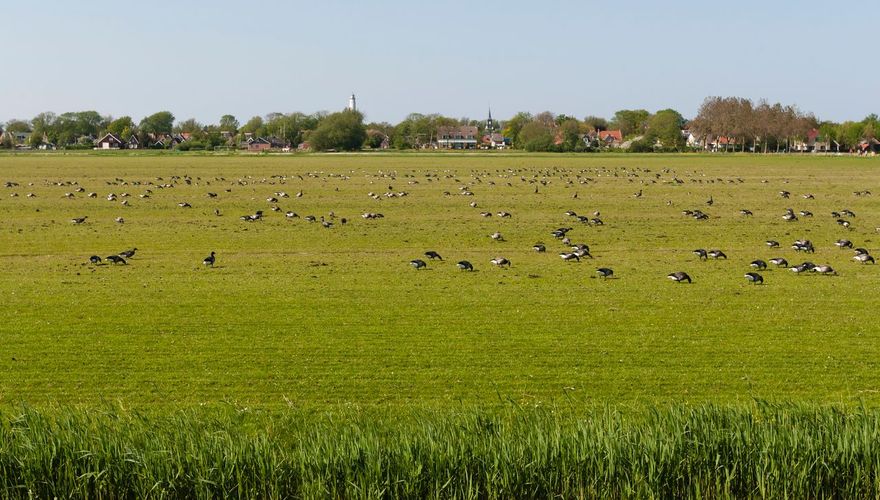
(743, 124)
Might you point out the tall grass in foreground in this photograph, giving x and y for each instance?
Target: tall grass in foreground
(759, 450)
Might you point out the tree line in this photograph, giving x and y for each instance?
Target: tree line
(742, 124)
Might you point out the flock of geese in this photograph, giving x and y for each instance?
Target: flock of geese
(573, 252)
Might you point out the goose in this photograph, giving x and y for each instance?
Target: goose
(184, 204)
(571, 213)
(93, 195)
(569, 257)
(291, 215)
(605, 272)
(843, 244)
(116, 259)
(844, 223)
(418, 264)
(710, 201)
(486, 214)
(465, 265)
(860, 250)
(803, 246)
(754, 278)
(779, 261)
(209, 260)
(94, 259)
(212, 195)
(496, 236)
(310, 218)
(500, 262)
(758, 264)
(539, 247)
(701, 253)
(78, 220)
(746, 212)
(433, 255)
(784, 194)
(272, 199)
(505, 215)
(801, 268)
(679, 277)
(847, 213)
(638, 194)
(717, 254)
(597, 221)
(790, 217)
(217, 212)
(128, 253)
(835, 214)
(864, 258)
(772, 243)
(824, 270)
(808, 196)
(806, 213)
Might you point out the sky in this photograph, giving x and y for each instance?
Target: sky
(203, 59)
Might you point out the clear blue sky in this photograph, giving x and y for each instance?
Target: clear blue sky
(203, 59)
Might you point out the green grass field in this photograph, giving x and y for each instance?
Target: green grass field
(296, 314)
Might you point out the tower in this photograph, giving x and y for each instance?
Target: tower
(490, 123)
(352, 106)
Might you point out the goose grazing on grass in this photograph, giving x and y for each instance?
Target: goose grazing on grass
(701, 253)
(843, 244)
(120, 220)
(78, 220)
(486, 214)
(779, 262)
(824, 270)
(115, 259)
(184, 204)
(755, 278)
(128, 253)
(758, 264)
(790, 217)
(784, 194)
(209, 260)
(803, 246)
(860, 250)
(605, 272)
(500, 262)
(806, 213)
(465, 265)
(569, 257)
(802, 268)
(291, 215)
(679, 277)
(717, 254)
(418, 264)
(844, 223)
(539, 247)
(772, 243)
(310, 218)
(496, 236)
(94, 259)
(847, 213)
(746, 212)
(433, 255)
(710, 201)
(504, 215)
(864, 258)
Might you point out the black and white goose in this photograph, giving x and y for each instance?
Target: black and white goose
(128, 253)
(772, 243)
(824, 270)
(843, 244)
(209, 260)
(500, 262)
(779, 262)
(754, 278)
(78, 220)
(679, 277)
(418, 264)
(717, 254)
(539, 247)
(115, 259)
(465, 265)
(864, 258)
(605, 272)
(94, 259)
(701, 253)
(433, 255)
(568, 257)
(758, 264)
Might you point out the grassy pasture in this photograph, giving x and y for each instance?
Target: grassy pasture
(298, 314)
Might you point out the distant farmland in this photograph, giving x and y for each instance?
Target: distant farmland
(294, 312)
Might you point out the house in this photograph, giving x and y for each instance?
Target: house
(721, 143)
(604, 138)
(868, 147)
(18, 138)
(133, 143)
(258, 144)
(109, 141)
(460, 137)
(495, 141)
(813, 144)
(691, 139)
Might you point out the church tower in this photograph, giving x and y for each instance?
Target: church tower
(352, 106)
(490, 124)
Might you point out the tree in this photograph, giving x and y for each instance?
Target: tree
(513, 127)
(631, 121)
(122, 127)
(570, 134)
(535, 136)
(253, 126)
(189, 126)
(344, 130)
(665, 127)
(228, 123)
(17, 126)
(595, 123)
(158, 123)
